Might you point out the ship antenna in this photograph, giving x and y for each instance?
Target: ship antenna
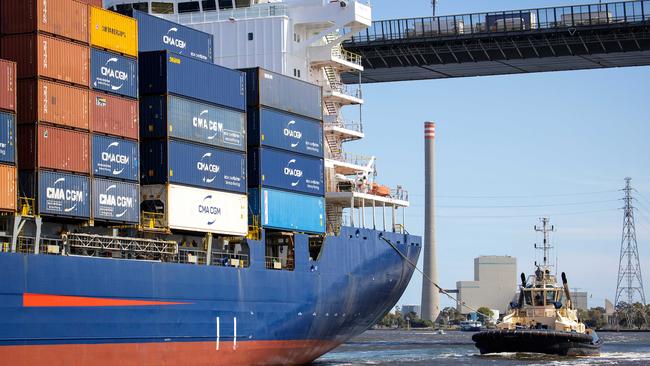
(546, 229)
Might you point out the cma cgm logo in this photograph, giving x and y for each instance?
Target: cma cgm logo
(293, 172)
(113, 200)
(208, 208)
(289, 132)
(57, 192)
(114, 158)
(173, 41)
(206, 166)
(203, 121)
(108, 71)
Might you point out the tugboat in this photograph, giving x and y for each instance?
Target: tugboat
(541, 321)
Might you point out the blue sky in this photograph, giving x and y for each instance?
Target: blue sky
(562, 140)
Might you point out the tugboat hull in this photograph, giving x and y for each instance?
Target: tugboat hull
(537, 341)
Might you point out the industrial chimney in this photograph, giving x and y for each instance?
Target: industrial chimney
(430, 293)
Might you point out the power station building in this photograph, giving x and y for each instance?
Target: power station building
(494, 285)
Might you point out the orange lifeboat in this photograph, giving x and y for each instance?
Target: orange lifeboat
(379, 190)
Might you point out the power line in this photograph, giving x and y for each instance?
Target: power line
(524, 196)
(531, 215)
(528, 206)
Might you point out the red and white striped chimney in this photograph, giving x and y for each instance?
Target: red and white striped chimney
(430, 293)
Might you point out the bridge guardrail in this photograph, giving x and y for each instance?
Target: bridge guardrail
(507, 21)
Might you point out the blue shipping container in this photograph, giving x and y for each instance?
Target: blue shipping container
(155, 34)
(285, 170)
(116, 201)
(185, 119)
(7, 138)
(288, 211)
(283, 92)
(113, 73)
(116, 158)
(286, 131)
(191, 164)
(164, 72)
(57, 194)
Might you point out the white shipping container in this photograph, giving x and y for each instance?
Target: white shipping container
(200, 210)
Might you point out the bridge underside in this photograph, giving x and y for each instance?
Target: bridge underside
(507, 53)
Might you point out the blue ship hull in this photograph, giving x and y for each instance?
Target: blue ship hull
(68, 310)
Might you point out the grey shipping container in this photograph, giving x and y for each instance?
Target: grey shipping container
(7, 138)
(57, 194)
(156, 34)
(179, 162)
(164, 72)
(115, 201)
(286, 131)
(171, 116)
(284, 93)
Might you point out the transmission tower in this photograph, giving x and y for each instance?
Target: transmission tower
(629, 287)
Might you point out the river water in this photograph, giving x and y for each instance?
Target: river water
(397, 347)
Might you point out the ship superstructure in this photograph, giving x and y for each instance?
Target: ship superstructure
(302, 39)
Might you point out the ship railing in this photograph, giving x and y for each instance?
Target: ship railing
(355, 159)
(279, 264)
(526, 20)
(341, 53)
(367, 188)
(192, 256)
(27, 245)
(348, 125)
(228, 259)
(399, 194)
(233, 15)
(345, 89)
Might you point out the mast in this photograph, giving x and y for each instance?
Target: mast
(546, 229)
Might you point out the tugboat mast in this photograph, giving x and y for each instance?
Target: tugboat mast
(546, 229)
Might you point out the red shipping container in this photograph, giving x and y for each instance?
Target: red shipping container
(65, 18)
(56, 103)
(8, 194)
(113, 115)
(41, 55)
(8, 85)
(53, 148)
(97, 3)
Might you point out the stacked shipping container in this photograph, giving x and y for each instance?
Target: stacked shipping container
(77, 82)
(113, 115)
(285, 160)
(192, 119)
(8, 171)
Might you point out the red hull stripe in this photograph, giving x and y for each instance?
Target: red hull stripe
(167, 354)
(41, 300)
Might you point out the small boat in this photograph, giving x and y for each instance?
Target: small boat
(471, 326)
(544, 320)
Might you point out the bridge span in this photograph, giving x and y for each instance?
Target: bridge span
(614, 34)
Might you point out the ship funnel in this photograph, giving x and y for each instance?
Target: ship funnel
(430, 293)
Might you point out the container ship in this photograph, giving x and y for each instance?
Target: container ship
(174, 188)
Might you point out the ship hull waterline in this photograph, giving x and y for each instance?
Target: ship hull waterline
(68, 310)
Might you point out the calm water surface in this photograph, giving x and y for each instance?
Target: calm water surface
(396, 347)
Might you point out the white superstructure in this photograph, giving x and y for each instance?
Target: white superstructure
(302, 39)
